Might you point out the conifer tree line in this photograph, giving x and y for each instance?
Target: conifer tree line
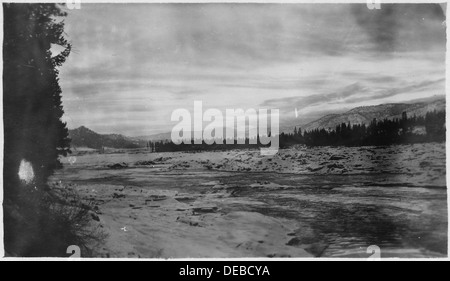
(193, 145)
(383, 132)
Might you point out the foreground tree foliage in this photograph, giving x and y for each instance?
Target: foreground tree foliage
(36, 224)
(32, 104)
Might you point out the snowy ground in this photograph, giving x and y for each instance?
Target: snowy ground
(328, 201)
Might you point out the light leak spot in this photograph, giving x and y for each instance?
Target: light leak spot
(26, 172)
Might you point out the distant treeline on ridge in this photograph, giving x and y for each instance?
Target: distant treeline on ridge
(383, 132)
(378, 132)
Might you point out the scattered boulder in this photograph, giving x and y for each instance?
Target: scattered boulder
(162, 159)
(335, 166)
(185, 199)
(337, 157)
(95, 217)
(190, 221)
(122, 165)
(145, 163)
(204, 210)
(294, 242)
(115, 195)
(156, 198)
(314, 169)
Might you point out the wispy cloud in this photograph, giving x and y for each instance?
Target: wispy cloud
(134, 63)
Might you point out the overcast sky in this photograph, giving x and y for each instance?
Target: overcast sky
(133, 64)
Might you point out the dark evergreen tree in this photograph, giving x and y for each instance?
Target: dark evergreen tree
(32, 107)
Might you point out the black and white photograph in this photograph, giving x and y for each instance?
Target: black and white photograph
(225, 130)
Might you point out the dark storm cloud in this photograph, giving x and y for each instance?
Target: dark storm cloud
(397, 27)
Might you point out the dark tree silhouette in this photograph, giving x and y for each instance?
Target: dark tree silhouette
(36, 221)
(33, 130)
(383, 132)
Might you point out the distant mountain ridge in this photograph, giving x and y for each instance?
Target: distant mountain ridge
(84, 137)
(154, 137)
(365, 114)
(168, 135)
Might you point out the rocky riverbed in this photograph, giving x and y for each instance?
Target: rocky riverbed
(302, 202)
